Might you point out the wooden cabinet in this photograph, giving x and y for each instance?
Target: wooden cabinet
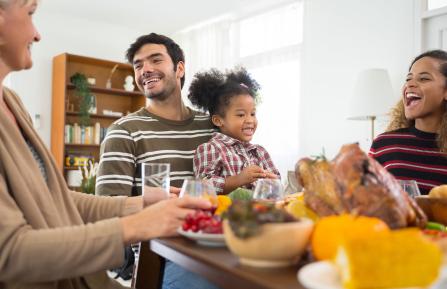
(65, 103)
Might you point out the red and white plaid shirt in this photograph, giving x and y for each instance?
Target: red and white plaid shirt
(224, 156)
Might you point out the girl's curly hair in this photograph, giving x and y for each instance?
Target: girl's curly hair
(398, 119)
(212, 90)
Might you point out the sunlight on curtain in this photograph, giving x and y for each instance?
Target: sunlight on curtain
(281, 27)
(206, 47)
(277, 113)
(268, 44)
(270, 48)
(435, 4)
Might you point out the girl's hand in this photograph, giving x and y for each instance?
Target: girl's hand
(252, 173)
(270, 175)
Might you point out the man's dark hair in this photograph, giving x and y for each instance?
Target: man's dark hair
(174, 50)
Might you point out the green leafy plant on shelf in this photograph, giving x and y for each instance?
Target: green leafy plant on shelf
(88, 173)
(79, 80)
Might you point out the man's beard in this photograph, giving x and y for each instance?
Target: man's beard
(156, 96)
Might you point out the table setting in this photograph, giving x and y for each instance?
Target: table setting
(325, 236)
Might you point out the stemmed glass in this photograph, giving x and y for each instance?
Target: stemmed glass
(200, 189)
(410, 187)
(269, 190)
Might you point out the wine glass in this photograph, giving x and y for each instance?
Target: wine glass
(200, 189)
(155, 182)
(269, 190)
(410, 187)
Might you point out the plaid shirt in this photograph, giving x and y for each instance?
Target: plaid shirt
(225, 156)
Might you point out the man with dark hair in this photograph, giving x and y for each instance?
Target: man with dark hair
(165, 131)
(174, 51)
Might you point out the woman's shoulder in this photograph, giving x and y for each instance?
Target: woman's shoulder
(397, 133)
(401, 136)
(13, 99)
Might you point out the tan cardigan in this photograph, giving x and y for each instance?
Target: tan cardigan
(50, 237)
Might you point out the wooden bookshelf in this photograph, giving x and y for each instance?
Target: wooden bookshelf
(65, 102)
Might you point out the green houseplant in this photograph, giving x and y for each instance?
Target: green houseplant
(79, 80)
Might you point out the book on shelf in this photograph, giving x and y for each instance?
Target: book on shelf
(76, 134)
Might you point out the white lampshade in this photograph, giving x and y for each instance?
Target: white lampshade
(373, 95)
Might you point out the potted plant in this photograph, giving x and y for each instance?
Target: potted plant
(81, 84)
(88, 173)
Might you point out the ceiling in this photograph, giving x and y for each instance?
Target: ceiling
(166, 16)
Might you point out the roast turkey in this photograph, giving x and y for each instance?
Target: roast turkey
(355, 183)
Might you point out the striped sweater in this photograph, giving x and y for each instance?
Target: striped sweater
(411, 154)
(142, 137)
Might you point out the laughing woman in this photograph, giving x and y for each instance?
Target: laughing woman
(415, 145)
(51, 237)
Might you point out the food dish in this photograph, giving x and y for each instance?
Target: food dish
(324, 275)
(276, 245)
(211, 240)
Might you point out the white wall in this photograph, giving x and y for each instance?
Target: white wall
(342, 38)
(59, 35)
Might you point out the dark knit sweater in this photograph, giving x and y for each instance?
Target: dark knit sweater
(411, 154)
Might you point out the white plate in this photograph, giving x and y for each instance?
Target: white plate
(324, 275)
(319, 275)
(212, 240)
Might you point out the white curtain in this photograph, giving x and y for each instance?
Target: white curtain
(208, 46)
(268, 44)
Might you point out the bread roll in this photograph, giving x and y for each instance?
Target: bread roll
(438, 192)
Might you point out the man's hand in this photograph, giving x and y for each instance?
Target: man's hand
(160, 219)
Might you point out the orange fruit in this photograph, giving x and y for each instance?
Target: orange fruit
(298, 209)
(223, 202)
(330, 232)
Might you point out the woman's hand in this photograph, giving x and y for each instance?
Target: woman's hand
(174, 192)
(155, 194)
(160, 219)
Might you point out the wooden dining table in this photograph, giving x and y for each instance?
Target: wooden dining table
(221, 267)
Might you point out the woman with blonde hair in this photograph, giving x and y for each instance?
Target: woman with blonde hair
(52, 237)
(415, 144)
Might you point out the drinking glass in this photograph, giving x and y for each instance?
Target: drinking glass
(411, 187)
(269, 190)
(155, 182)
(200, 189)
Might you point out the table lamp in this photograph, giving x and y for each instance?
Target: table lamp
(372, 97)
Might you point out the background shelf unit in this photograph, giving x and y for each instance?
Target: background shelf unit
(65, 103)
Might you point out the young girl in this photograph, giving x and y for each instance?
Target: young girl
(229, 160)
(415, 145)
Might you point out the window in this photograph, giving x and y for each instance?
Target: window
(268, 45)
(278, 129)
(275, 29)
(270, 49)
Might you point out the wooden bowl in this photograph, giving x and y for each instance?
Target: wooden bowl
(277, 245)
(434, 208)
